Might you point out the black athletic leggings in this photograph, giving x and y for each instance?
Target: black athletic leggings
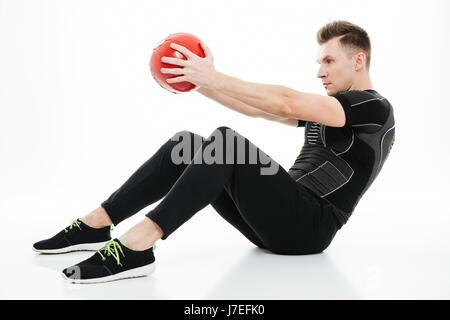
(270, 209)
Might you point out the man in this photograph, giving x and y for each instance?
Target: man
(348, 136)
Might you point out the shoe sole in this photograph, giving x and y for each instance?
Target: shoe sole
(78, 247)
(132, 273)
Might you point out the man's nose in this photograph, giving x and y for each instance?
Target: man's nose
(321, 73)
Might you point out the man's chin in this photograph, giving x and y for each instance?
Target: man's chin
(329, 92)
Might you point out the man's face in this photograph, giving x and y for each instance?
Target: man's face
(336, 67)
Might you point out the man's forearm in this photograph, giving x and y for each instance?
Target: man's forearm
(266, 97)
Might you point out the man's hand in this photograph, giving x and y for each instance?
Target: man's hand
(197, 70)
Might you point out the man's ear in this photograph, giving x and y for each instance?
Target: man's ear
(359, 60)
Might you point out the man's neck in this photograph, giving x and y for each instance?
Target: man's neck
(362, 84)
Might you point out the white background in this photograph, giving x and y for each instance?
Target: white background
(80, 111)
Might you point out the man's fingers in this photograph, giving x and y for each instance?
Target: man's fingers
(188, 54)
(205, 48)
(172, 70)
(175, 61)
(176, 79)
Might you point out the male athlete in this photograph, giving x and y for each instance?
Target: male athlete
(348, 135)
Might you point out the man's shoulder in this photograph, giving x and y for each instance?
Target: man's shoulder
(364, 107)
(359, 97)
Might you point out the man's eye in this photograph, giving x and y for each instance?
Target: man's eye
(328, 61)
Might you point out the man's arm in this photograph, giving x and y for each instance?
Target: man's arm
(315, 108)
(266, 97)
(242, 107)
(282, 101)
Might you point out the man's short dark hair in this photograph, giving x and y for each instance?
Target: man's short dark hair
(351, 36)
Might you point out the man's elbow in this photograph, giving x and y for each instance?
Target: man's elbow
(285, 108)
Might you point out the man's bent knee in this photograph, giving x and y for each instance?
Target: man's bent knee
(187, 143)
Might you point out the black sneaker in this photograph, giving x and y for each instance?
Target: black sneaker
(112, 262)
(76, 237)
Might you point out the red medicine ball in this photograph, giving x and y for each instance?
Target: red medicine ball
(187, 40)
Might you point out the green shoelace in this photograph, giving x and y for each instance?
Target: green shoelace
(112, 248)
(75, 223)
